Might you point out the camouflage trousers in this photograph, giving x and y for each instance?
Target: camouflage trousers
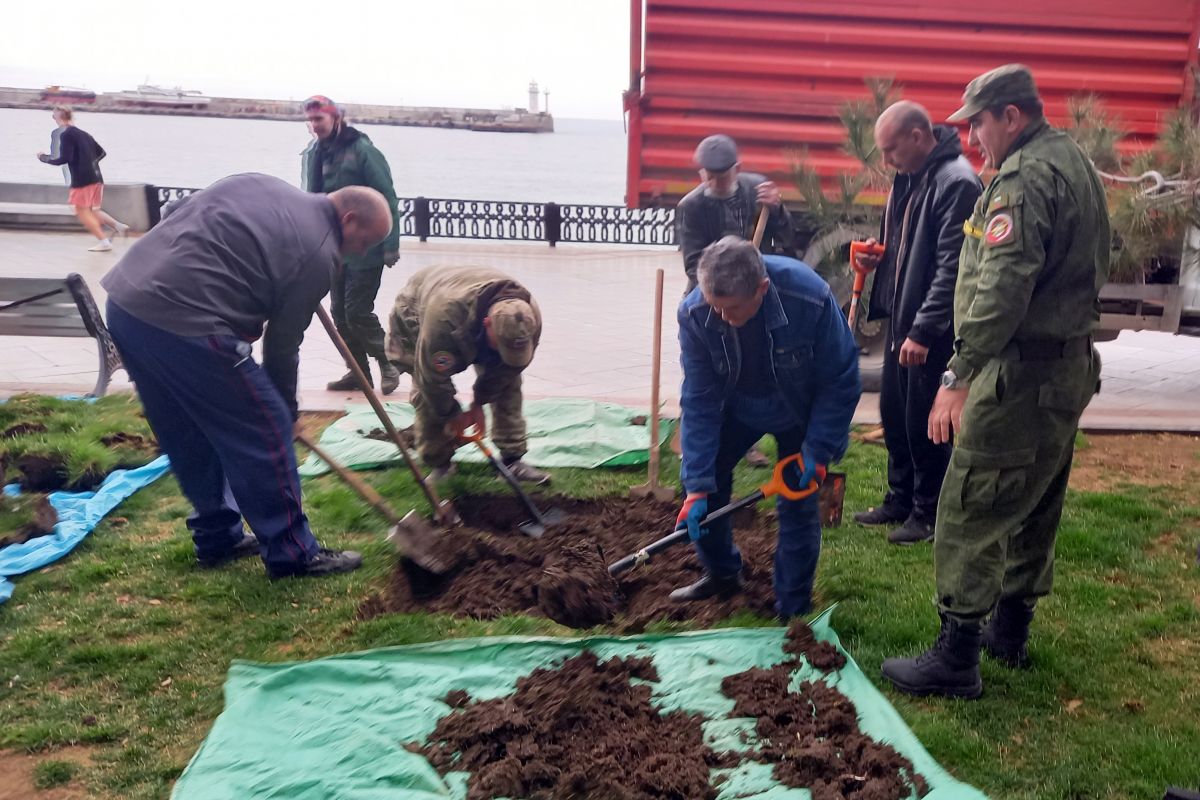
(1002, 497)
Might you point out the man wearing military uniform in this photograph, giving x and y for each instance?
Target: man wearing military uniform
(447, 319)
(1033, 261)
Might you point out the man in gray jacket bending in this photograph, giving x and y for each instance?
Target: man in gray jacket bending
(247, 253)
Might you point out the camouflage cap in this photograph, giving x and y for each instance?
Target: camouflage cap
(516, 328)
(1011, 83)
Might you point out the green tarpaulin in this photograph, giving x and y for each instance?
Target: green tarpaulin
(562, 433)
(335, 727)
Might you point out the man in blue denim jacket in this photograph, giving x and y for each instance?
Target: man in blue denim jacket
(764, 349)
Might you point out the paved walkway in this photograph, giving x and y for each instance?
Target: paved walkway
(597, 341)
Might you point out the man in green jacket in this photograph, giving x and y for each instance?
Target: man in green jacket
(447, 319)
(1034, 258)
(341, 156)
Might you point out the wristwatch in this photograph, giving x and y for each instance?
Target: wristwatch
(952, 381)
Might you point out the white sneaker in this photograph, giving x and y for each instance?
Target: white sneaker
(102, 246)
(120, 229)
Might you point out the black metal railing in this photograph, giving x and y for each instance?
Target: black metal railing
(427, 218)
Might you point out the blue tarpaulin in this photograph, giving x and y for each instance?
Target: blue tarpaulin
(78, 514)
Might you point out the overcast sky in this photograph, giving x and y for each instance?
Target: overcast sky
(407, 52)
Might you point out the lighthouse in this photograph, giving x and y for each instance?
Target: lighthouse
(533, 97)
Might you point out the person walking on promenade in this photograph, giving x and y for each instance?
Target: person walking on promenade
(82, 154)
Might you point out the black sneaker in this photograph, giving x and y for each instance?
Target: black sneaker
(708, 586)
(325, 562)
(911, 532)
(247, 547)
(885, 514)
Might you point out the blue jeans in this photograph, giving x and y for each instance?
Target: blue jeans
(228, 433)
(799, 544)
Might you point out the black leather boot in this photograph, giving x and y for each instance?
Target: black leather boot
(1007, 633)
(707, 587)
(950, 668)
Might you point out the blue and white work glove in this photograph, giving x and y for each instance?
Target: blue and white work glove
(813, 471)
(695, 509)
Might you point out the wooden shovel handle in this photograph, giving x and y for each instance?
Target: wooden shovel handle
(364, 489)
(655, 376)
(431, 495)
(760, 227)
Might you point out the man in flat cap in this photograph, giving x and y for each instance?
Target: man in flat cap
(725, 204)
(1035, 256)
(447, 319)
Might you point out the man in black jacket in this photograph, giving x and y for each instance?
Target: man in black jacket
(933, 194)
(726, 204)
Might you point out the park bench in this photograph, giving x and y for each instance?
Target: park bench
(57, 307)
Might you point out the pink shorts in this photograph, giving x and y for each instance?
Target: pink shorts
(86, 196)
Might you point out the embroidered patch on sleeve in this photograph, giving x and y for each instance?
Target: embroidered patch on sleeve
(443, 361)
(999, 230)
(998, 202)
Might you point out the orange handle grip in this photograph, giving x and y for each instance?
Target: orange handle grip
(862, 248)
(778, 486)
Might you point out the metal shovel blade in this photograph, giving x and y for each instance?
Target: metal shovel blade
(418, 541)
(532, 529)
(536, 528)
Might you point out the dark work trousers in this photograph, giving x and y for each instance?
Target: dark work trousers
(228, 433)
(916, 466)
(799, 544)
(352, 301)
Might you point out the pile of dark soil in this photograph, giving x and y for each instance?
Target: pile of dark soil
(501, 571)
(812, 735)
(581, 730)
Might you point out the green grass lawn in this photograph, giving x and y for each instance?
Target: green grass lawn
(123, 646)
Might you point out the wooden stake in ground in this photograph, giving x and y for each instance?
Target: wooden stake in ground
(651, 487)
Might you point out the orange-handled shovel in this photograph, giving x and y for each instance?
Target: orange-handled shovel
(776, 486)
(860, 275)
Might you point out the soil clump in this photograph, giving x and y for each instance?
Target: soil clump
(575, 588)
(811, 735)
(581, 729)
(802, 642)
(132, 441)
(25, 517)
(501, 571)
(23, 429)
